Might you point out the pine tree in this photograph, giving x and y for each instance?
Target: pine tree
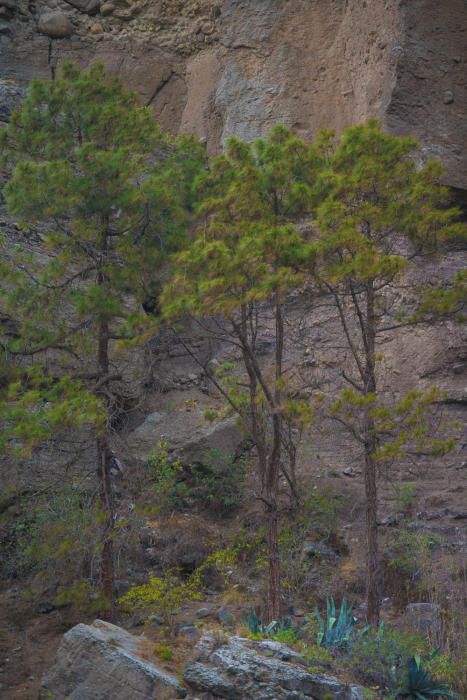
(237, 273)
(378, 211)
(109, 193)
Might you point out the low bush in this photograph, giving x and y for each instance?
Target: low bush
(163, 595)
(213, 485)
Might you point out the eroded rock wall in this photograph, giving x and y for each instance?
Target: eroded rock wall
(221, 67)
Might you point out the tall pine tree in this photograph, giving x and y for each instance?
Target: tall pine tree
(89, 165)
(378, 210)
(234, 278)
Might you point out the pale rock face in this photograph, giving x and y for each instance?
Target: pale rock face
(241, 670)
(189, 436)
(101, 661)
(222, 67)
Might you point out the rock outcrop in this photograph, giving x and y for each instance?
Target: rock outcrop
(189, 436)
(238, 669)
(101, 662)
(221, 67)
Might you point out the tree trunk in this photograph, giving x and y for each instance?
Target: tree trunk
(107, 559)
(370, 445)
(274, 603)
(372, 588)
(104, 464)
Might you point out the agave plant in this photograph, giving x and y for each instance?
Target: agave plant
(335, 631)
(420, 684)
(256, 626)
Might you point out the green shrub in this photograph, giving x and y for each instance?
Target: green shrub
(166, 476)
(57, 535)
(286, 636)
(405, 497)
(318, 658)
(379, 658)
(317, 516)
(213, 485)
(217, 482)
(163, 651)
(282, 630)
(165, 594)
(452, 670)
(410, 549)
(82, 598)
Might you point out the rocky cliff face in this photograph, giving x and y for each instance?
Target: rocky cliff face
(220, 67)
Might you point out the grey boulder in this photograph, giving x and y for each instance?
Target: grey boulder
(56, 25)
(239, 669)
(101, 662)
(189, 436)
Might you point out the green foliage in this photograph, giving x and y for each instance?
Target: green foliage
(79, 155)
(213, 485)
(452, 670)
(405, 497)
(410, 549)
(335, 631)
(400, 426)
(316, 518)
(286, 636)
(379, 658)
(82, 597)
(35, 406)
(166, 476)
(56, 535)
(318, 658)
(164, 652)
(420, 685)
(282, 630)
(217, 482)
(165, 594)
(445, 302)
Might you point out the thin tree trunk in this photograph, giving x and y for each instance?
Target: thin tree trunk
(274, 602)
(272, 481)
(370, 445)
(372, 564)
(107, 557)
(104, 464)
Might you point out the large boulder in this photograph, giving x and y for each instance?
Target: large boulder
(238, 669)
(189, 436)
(102, 662)
(55, 25)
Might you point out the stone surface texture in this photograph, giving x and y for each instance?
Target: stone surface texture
(221, 67)
(101, 662)
(189, 436)
(239, 669)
